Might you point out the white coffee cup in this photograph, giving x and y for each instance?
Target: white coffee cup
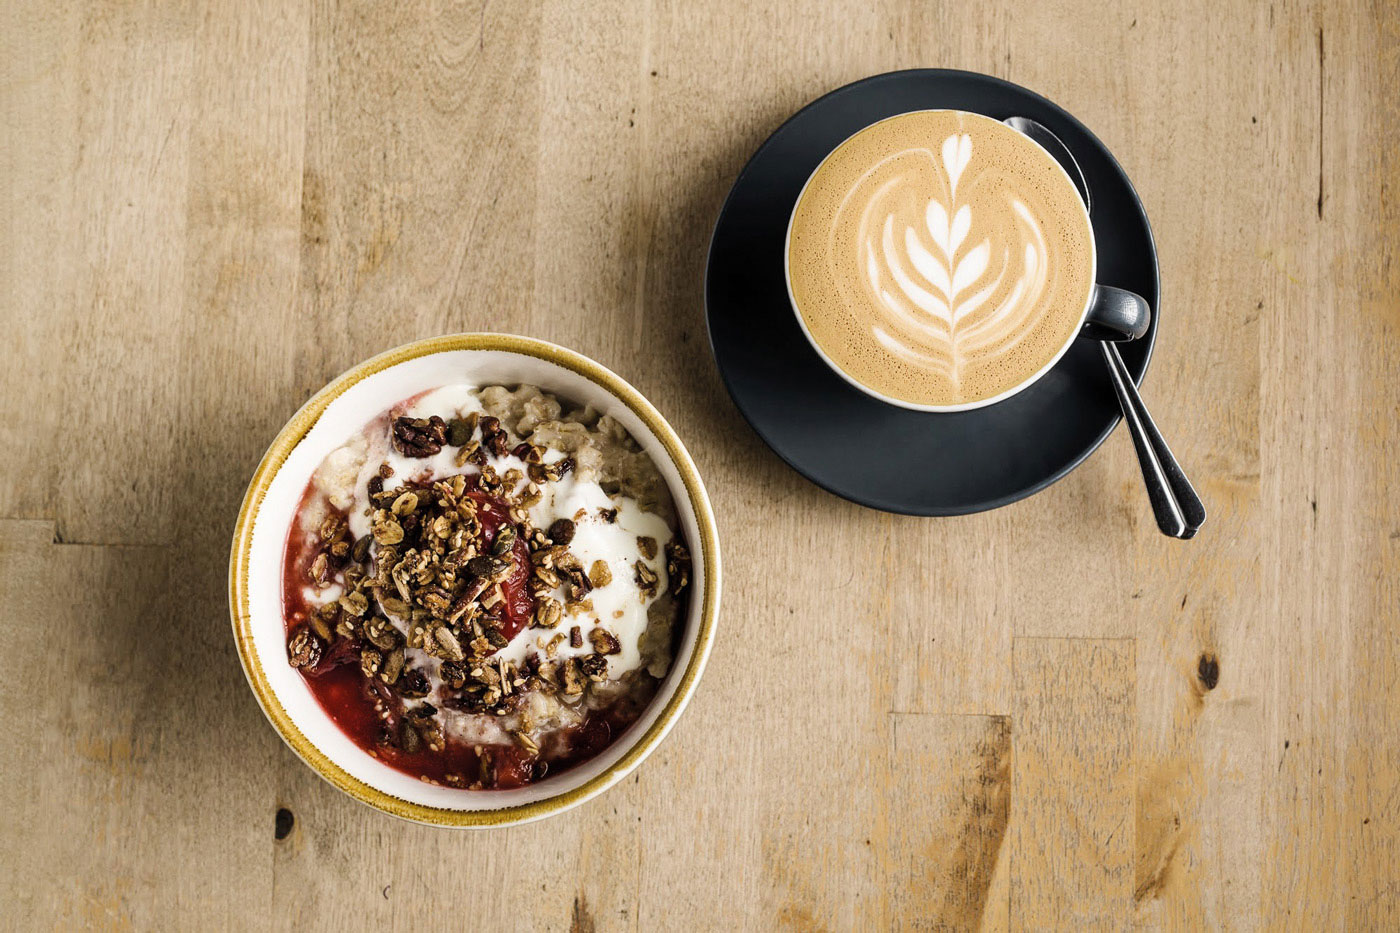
(1108, 313)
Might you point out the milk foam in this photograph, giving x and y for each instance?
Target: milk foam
(940, 258)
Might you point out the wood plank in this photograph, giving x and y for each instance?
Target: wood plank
(1074, 782)
(143, 780)
(949, 806)
(1198, 620)
(1329, 432)
(99, 200)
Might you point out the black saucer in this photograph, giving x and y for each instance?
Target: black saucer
(851, 444)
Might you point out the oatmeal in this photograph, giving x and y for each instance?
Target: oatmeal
(483, 587)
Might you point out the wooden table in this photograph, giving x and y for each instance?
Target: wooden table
(1045, 715)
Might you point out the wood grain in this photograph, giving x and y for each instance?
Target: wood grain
(1072, 782)
(1040, 714)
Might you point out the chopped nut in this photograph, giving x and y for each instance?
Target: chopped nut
(558, 469)
(465, 455)
(436, 602)
(331, 527)
(493, 436)
(576, 637)
(548, 612)
(571, 568)
(304, 650)
(571, 677)
(645, 578)
(419, 437)
(462, 612)
(604, 641)
(677, 566)
(594, 667)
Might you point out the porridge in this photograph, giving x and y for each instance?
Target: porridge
(484, 586)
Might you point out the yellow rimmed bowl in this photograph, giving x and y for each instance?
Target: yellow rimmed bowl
(327, 421)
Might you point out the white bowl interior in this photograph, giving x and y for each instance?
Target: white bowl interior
(341, 419)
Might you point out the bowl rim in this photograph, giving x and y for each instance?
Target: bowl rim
(296, 429)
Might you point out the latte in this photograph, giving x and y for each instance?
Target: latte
(940, 259)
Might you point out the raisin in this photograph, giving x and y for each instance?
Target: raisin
(414, 684)
(561, 531)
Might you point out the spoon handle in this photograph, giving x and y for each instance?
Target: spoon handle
(1179, 511)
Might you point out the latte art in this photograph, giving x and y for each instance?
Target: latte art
(940, 258)
(945, 297)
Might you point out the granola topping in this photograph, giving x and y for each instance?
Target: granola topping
(495, 574)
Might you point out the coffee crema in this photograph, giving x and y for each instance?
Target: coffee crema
(940, 258)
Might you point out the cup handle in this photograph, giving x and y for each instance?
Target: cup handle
(1116, 314)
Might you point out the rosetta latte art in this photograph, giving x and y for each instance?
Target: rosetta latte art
(949, 288)
(940, 259)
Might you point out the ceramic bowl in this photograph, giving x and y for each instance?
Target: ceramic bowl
(323, 424)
